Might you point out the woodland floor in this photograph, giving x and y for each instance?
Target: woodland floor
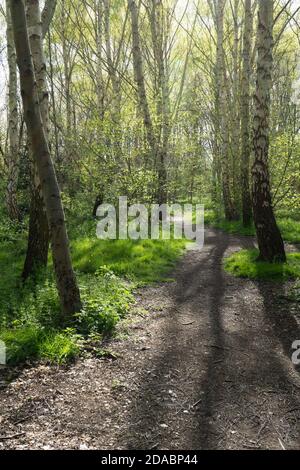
(208, 367)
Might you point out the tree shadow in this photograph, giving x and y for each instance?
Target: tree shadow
(231, 369)
(277, 312)
(234, 383)
(210, 386)
(153, 405)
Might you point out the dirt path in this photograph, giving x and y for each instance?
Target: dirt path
(208, 367)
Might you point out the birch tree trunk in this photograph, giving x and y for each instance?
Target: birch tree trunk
(38, 235)
(116, 98)
(115, 108)
(269, 239)
(67, 76)
(236, 120)
(139, 76)
(143, 102)
(98, 7)
(245, 115)
(47, 15)
(221, 115)
(12, 156)
(157, 33)
(100, 86)
(65, 277)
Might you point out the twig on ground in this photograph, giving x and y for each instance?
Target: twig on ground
(12, 436)
(280, 442)
(196, 403)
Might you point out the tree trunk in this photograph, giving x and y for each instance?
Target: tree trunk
(269, 239)
(236, 119)
(157, 152)
(47, 15)
(38, 235)
(99, 9)
(69, 133)
(245, 115)
(221, 115)
(38, 232)
(116, 98)
(65, 277)
(13, 128)
(162, 92)
(139, 76)
(115, 138)
(98, 201)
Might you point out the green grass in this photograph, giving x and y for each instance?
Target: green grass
(235, 227)
(289, 227)
(32, 342)
(244, 264)
(144, 261)
(30, 321)
(33, 328)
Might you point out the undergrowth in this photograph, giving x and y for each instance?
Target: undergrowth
(107, 271)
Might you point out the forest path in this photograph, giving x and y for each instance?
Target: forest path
(208, 368)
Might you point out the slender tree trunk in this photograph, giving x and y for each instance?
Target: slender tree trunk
(221, 115)
(53, 104)
(13, 128)
(143, 102)
(47, 15)
(157, 32)
(245, 115)
(65, 277)
(269, 239)
(139, 76)
(116, 98)
(69, 134)
(99, 9)
(115, 109)
(236, 121)
(100, 86)
(38, 235)
(216, 164)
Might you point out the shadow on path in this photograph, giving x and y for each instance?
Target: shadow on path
(218, 379)
(277, 313)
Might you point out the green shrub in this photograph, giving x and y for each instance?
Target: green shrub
(106, 299)
(34, 303)
(10, 231)
(40, 304)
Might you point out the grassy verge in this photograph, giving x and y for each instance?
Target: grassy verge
(143, 261)
(244, 264)
(289, 227)
(34, 342)
(107, 272)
